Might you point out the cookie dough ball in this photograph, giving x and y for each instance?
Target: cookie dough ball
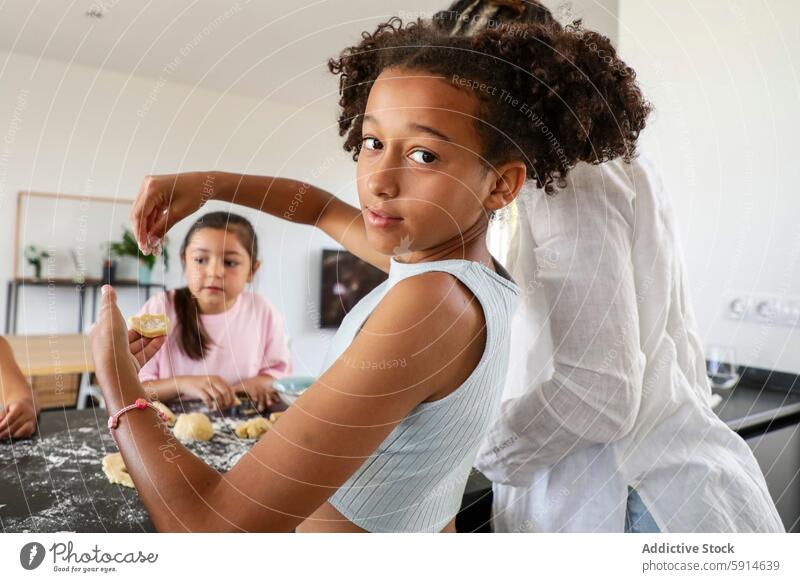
(149, 325)
(273, 418)
(253, 428)
(114, 468)
(171, 418)
(194, 426)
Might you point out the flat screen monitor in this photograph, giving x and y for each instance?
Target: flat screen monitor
(346, 279)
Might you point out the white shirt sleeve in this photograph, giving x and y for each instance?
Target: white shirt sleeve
(583, 238)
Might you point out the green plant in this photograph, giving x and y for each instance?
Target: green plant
(128, 247)
(34, 255)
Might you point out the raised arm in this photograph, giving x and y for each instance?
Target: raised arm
(164, 200)
(322, 439)
(583, 244)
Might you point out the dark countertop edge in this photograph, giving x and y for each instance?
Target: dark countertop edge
(749, 426)
(787, 382)
(763, 422)
(768, 421)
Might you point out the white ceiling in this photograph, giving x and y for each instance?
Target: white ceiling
(254, 47)
(275, 49)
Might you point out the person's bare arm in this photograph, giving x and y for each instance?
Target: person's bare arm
(180, 195)
(323, 438)
(213, 390)
(260, 391)
(19, 409)
(162, 389)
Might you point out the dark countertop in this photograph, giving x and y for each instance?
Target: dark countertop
(761, 403)
(54, 482)
(758, 405)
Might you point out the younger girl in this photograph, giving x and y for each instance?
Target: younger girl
(222, 339)
(444, 131)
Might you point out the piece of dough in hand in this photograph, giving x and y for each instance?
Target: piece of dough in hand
(253, 428)
(149, 325)
(171, 418)
(194, 426)
(114, 468)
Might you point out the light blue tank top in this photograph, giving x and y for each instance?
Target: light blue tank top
(415, 479)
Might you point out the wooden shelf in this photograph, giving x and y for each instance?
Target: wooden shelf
(17, 283)
(61, 282)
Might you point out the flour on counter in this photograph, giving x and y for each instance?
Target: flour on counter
(56, 482)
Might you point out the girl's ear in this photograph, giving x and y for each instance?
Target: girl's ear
(506, 181)
(253, 271)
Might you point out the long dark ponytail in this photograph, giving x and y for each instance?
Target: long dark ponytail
(193, 339)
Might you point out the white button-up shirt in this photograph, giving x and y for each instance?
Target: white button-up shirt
(607, 386)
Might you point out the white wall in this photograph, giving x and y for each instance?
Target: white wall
(81, 130)
(723, 77)
(599, 15)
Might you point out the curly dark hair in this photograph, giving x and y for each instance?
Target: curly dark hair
(561, 95)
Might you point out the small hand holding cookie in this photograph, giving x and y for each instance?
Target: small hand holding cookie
(118, 352)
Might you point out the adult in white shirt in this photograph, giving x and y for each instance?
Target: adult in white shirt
(606, 423)
(606, 411)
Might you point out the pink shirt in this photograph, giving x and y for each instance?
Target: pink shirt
(249, 340)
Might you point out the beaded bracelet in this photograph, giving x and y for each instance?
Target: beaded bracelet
(140, 404)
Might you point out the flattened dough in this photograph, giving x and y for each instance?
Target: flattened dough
(194, 426)
(149, 325)
(114, 468)
(253, 428)
(171, 418)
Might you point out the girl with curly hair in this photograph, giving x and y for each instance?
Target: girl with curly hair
(445, 130)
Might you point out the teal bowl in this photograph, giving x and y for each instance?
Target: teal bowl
(291, 387)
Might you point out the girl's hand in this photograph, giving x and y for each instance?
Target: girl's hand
(143, 348)
(212, 390)
(261, 392)
(111, 331)
(164, 200)
(117, 353)
(18, 419)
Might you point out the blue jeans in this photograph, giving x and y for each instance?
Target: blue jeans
(637, 517)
